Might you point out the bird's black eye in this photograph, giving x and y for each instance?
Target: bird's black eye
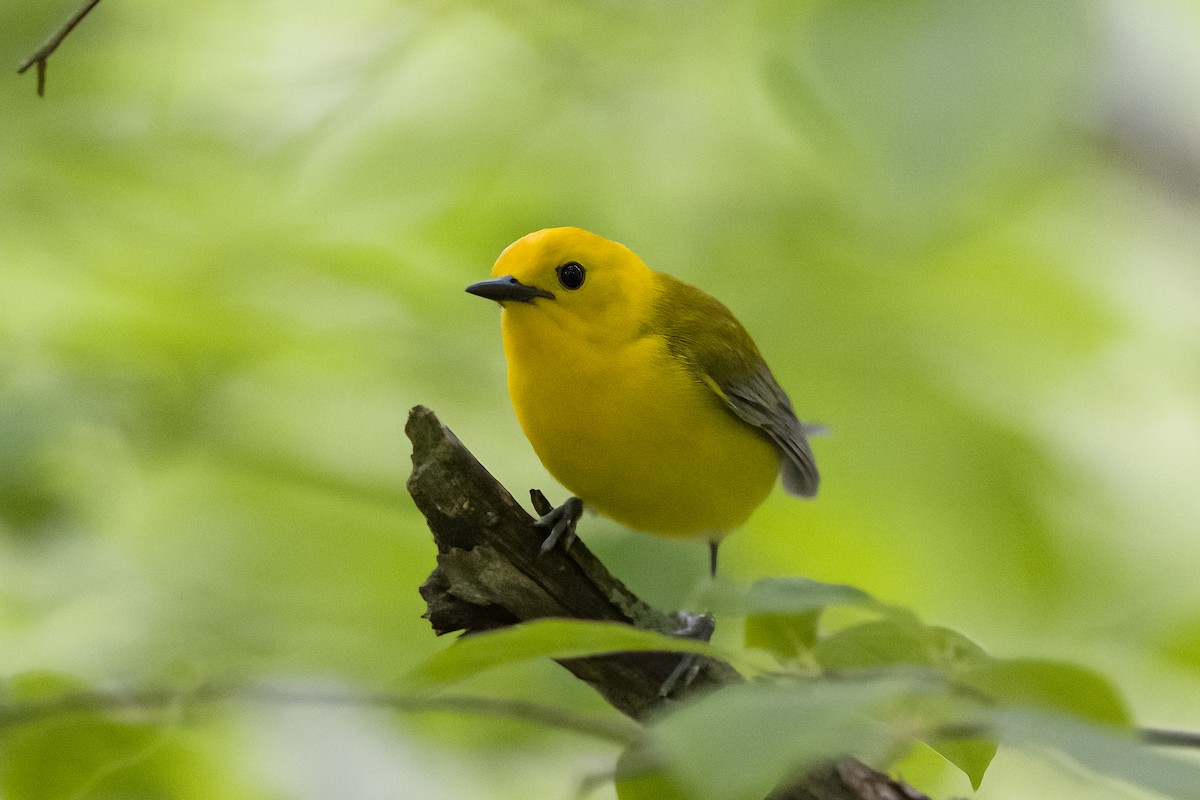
(571, 275)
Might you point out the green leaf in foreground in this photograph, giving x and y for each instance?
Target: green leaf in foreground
(972, 756)
(788, 637)
(899, 639)
(1051, 685)
(786, 595)
(795, 595)
(642, 776)
(547, 638)
(879, 643)
(1031, 683)
(738, 743)
(1181, 644)
(39, 686)
(1101, 749)
(782, 613)
(68, 756)
(59, 742)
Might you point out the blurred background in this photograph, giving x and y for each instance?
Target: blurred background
(233, 245)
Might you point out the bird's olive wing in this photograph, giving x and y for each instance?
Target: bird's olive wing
(714, 346)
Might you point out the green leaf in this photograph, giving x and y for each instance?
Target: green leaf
(547, 638)
(642, 776)
(1051, 685)
(874, 644)
(972, 756)
(67, 756)
(786, 636)
(61, 753)
(795, 595)
(899, 639)
(62, 741)
(1048, 685)
(1103, 749)
(788, 595)
(39, 685)
(1181, 644)
(951, 651)
(900, 147)
(782, 613)
(736, 744)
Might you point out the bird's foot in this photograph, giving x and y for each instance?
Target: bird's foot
(693, 626)
(560, 521)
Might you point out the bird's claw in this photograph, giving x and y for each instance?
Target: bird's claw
(694, 626)
(559, 521)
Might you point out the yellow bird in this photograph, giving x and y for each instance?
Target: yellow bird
(641, 394)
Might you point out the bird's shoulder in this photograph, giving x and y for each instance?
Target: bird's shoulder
(702, 333)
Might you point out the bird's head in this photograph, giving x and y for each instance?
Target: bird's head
(573, 278)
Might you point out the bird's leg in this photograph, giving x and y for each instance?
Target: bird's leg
(692, 626)
(559, 521)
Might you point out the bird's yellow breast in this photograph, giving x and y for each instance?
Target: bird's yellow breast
(624, 426)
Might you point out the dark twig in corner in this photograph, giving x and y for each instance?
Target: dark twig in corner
(47, 48)
(1169, 738)
(491, 574)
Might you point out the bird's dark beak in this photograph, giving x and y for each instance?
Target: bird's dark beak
(508, 288)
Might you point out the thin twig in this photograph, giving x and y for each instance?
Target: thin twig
(1169, 738)
(1158, 737)
(51, 44)
(616, 730)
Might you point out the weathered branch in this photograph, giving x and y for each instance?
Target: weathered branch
(491, 574)
(47, 48)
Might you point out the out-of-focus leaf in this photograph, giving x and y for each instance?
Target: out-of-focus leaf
(788, 637)
(908, 108)
(736, 744)
(1050, 685)
(1102, 749)
(68, 756)
(952, 651)
(52, 751)
(794, 595)
(972, 756)
(641, 776)
(782, 613)
(38, 685)
(874, 644)
(546, 638)
(899, 639)
(1182, 644)
(27, 428)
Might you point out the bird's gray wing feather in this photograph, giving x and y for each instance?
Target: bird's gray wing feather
(760, 401)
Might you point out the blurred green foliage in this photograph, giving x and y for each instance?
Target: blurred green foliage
(232, 251)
